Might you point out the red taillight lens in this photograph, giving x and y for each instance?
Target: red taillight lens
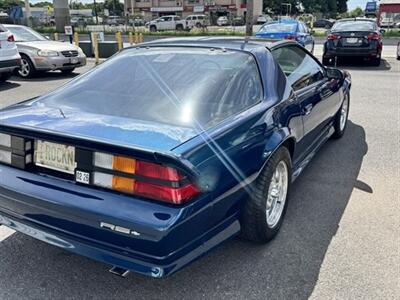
(166, 193)
(290, 37)
(10, 38)
(373, 36)
(157, 171)
(333, 37)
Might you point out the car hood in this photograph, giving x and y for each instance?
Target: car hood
(103, 128)
(49, 45)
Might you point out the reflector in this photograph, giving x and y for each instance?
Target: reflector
(5, 156)
(103, 160)
(5, 140)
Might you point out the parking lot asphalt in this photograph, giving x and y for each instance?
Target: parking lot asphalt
(340, 238)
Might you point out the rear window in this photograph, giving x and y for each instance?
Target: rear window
(279, 27)
(354, 26)
(166, 85)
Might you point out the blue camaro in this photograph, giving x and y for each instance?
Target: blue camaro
(168, 149)
(288, 30)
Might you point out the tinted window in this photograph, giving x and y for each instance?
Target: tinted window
(160, 85)
(300, 68)
(354, 26)
(278, 27)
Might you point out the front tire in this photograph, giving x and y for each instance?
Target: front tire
(27, 69)
(153, 28)
(340, 122)
(266, 207)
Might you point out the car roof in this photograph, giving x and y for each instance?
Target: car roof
(285, 21)
(356, 19)
(248, 44)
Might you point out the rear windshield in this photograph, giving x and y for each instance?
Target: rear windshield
(166, 85)
(354, 26)
(279, 27)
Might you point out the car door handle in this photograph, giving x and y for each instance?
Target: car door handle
(307, 109)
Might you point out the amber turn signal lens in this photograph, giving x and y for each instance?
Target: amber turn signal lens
(124, 164)
(123, 184)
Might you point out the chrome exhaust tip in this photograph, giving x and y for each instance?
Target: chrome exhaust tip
(119, 271)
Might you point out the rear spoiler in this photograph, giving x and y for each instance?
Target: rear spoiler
(164, 157)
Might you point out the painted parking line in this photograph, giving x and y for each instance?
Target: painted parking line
(5, 232)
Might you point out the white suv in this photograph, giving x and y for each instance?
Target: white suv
(9, 56)
(196, 21)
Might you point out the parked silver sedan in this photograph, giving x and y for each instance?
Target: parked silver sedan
(40, 54)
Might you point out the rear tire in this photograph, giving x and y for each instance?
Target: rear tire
(266, 207)
(340, 122)
(153, 28)
(179, 27)
(376, 62)
(326, 61)
(5, 76)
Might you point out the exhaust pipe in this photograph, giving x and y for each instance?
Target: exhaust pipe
(119, 271)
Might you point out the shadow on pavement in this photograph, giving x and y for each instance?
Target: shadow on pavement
(4, 86)
(287, 268)
(360, 64)
(46, 76)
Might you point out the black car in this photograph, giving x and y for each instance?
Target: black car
(323, 23)
(354, 38)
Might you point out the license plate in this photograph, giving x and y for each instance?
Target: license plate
(74, 60)
(352, 40)
(55, 156)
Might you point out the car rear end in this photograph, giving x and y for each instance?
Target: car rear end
(101, 178)
(354, 39)
(9, 56)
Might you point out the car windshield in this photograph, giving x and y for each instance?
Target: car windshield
(278, 27)
(22, 34)
(354, 26)
(177, 86)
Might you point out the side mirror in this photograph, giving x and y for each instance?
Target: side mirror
(382, 31)
(333, 73)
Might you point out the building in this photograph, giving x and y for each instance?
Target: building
(151, 9)
(389, 13)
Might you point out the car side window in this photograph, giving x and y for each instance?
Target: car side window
(299, 67)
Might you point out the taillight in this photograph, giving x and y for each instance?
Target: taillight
(373, 36)
(15, 150)
(290, 37)
(142, 178)
(10, 38)
(333, 37)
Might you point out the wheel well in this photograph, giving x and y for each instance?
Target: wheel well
(289, 144)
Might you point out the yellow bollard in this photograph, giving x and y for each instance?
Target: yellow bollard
(96, 48)
(56, 36)
(118, 38)
(136, 38)
(130, 38)
(140, 37)
(76, 39)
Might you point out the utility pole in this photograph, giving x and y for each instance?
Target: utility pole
(95, 12)
(249, 17)
(28, 13)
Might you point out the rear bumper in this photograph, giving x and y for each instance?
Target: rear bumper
(347, 51)
(9, 65)
(69, 216)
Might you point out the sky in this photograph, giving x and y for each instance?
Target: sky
(352, 4)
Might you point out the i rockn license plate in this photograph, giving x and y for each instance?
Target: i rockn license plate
(54, 156)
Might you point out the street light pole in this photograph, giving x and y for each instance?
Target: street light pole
(249, 17)
(28, 13)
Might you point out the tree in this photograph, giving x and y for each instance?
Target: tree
(42, 4)
(7, 4)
